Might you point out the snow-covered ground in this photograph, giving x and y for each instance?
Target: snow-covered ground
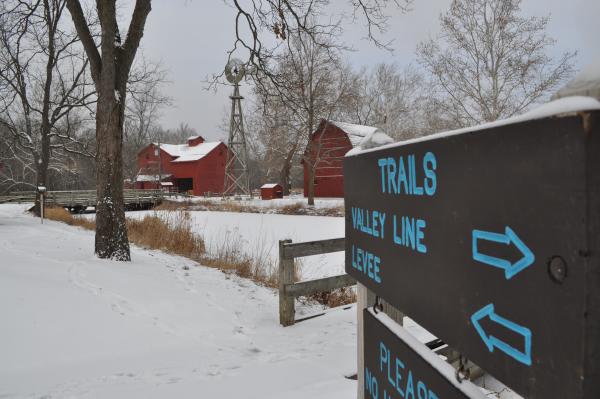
(258, 235)
(74, 326)
(274, 203)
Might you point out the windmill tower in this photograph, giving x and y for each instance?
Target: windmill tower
(237, 179)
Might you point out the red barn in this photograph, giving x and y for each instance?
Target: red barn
(197, 166)
(325, 153)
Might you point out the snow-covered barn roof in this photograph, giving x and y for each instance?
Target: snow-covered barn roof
(585, 83)
(356, 133)
(269, 185)
(186, 153)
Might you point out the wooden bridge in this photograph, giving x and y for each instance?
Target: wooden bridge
(79, 200)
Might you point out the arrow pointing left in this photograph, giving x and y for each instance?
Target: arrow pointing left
(492, 342)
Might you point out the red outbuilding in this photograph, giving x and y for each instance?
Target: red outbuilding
(197, 166)
(271, 191)
(325, 155)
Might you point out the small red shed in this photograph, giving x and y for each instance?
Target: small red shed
(325, 154)
(271, 191)
(197, 166)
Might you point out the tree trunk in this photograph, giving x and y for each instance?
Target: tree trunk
(111, 231)
(284, 178)
(284, 174)
(110, 72)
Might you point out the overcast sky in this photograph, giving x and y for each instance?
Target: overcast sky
(191, 38)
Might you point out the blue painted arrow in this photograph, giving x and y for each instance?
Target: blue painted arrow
(492, 342)
(509, 236)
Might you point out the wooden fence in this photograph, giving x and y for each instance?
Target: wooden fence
(289, 290)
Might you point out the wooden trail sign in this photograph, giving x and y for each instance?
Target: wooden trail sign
(491, 240)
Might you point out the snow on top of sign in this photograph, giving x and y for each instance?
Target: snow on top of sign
(186, 153)
(356, 133)
(375, 139)
(585, 83)
(445, 369)
(567, 105)
(269, 185)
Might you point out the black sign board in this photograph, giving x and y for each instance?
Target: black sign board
(490, 239)
(399, 366)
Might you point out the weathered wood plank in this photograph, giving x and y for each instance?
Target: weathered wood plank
(309, 287)
(287, 313)
(299, 249)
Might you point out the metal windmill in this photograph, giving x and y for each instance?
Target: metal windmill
(237, 179)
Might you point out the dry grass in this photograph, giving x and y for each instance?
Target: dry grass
(173, 233)
(339, 297)
(256, 265)
(62, 215)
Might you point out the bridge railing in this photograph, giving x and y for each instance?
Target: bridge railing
(75, 198)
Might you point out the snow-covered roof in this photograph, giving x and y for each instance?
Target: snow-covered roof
(151, 177)
(585, 83)
(356, 133)
(269, 185)
(562, 106)
(186, 153)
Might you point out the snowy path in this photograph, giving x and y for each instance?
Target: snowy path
(76, 326)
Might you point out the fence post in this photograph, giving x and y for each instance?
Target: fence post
(287, 313)
(364, 299)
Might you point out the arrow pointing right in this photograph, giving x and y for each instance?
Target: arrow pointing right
(509, 236)
(492, 342)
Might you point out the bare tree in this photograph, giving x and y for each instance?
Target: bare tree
(144, 102)
(489, 62)
(110, 68)
(389, 98)
(43, 84)
(310, 81)
(180, 134)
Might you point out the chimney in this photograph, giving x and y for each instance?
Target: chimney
(195, 140)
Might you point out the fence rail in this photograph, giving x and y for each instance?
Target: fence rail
(290, 290)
